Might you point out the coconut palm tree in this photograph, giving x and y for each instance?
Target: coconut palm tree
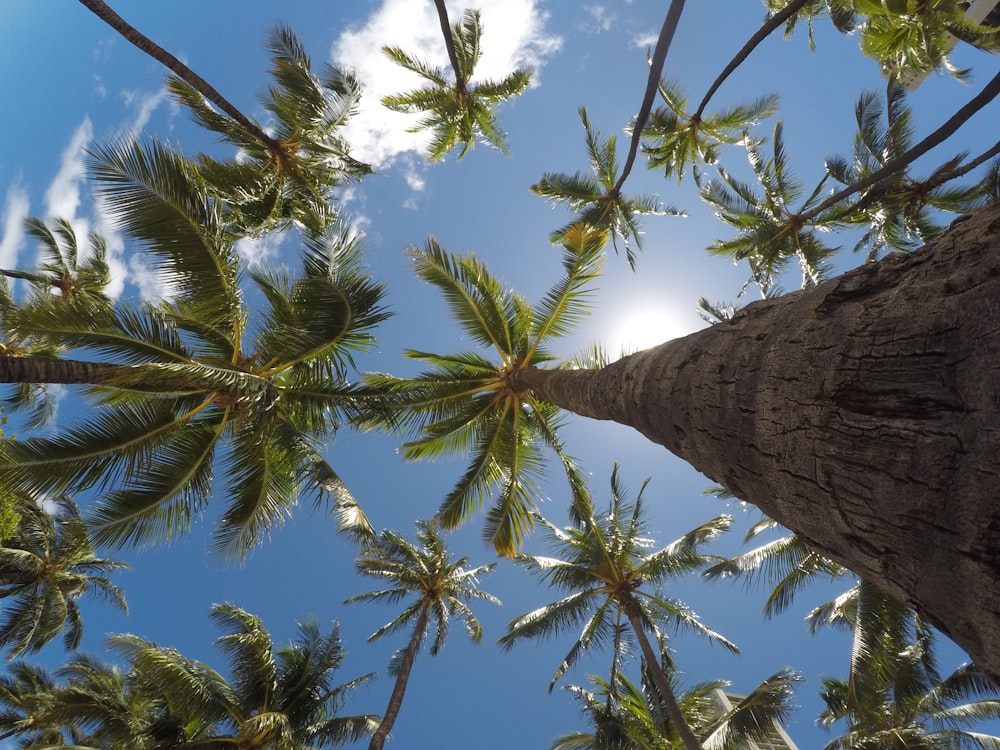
(597, 198)
(894, 696)
(277, 696)
(613, 576)
(464, 403)
(770, 231)
(45, 567)
(457, 111)
(912, 38)
(436, 588)
(26, 696)
(674, 139)
(281, 177)
(630, 717)
(193, 376)
(898, 212)
(290, 175)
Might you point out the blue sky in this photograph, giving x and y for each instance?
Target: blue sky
(68, 81)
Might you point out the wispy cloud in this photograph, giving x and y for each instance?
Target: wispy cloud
(260, 251)
(642, 41)
(601, 19)
(143, 104)
(516, 34)
(15, 211)
(62, 198)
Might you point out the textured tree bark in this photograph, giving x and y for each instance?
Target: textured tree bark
(863, 414)
(51, 370)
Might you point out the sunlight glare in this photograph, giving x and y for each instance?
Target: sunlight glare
(642, 330)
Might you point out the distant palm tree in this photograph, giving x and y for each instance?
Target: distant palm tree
(597, 198)
(283, 177)
(280, 697)
(457, 110)
(464, 403)
(771, 231)
(786, 565)
(290, 176)
(897, 213)
(45, 568)
(674, 139)
(26, 695)
(180, 381)
(894, 696)
(613, 578)
(437, 587)
(630, 717)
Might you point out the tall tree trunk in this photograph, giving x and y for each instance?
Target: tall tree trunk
(402, 677)
(863, 414)
(660, 679)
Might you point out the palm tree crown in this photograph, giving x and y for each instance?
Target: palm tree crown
(438, 587)
(45, 568)
(457, 110)
(466, 402)
(614, 581)
(185, 379)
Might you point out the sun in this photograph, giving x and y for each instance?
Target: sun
(641, 330)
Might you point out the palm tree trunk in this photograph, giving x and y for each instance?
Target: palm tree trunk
(449, 43)
(132, 35)
(51, 370)
(862, 414)
(402, 677)
(660, 679)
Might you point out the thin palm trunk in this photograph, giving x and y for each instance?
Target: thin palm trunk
(51, 370)
(861, 414)
(402, 677)
(135, 37)
(449, 43)
(660, 680)
(670, 22)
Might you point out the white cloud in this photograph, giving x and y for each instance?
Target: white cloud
(644, 41)
(14, 213)
(601, 17)
(257, 252)
(144, 103)
(63, 195)
(514, 36)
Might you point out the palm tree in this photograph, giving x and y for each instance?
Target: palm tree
(630, 717)
(894, 696)
(287, 176)
(182, 380)
(613, 578)
(26, 698)
(673, 139)
(912, 38)
(45, 568)
(771, 231)
(898, 211)
(465, 402)
(598, 199)
(290, 176)
(457, 110)
(438, 588)
(281, 697)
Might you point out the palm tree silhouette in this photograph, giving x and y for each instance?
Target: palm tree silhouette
(438, 588)
(613, 578)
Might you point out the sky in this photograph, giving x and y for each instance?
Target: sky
(69, 82)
